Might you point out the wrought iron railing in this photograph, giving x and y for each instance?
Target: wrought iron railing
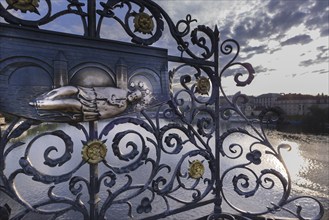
(172, 141)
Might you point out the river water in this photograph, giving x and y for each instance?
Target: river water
(307, 162)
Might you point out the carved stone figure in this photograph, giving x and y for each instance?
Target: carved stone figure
(87, 104)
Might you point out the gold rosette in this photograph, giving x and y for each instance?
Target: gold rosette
(196, 169)
(24, 5)
(143, 23)
(203, 86)
(94, 151)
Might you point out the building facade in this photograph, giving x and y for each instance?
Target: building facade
(290, 104)
(299, 104)
(267, 100)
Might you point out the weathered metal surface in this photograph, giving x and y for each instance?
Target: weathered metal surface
(143, 23)
(39, 67)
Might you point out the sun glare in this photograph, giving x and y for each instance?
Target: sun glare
(294, 161)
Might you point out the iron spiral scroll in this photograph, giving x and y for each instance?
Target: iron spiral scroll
(186, 158)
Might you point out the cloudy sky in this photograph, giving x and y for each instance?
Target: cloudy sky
(286, 41)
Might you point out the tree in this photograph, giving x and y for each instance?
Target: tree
(316, 121)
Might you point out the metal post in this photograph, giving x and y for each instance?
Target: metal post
(93, 172)
(218, 197)
(91, 18)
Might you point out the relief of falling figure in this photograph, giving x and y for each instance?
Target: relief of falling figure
(89, 104)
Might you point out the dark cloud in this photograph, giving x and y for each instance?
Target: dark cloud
(321, 71)
(273, 5)
(318, 15)
(322, 49)
(323, 55)
(286, 19)
(252, 28)
(320, 6)
(270, 23)
(277, 17)
(306, 63)
(274, 50)
(251, 51)
(261, 69)
(313, 14)
(324, 32)
(299, 39)
(320, 58)
(257, 49)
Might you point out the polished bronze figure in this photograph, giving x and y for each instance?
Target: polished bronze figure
(88, 104)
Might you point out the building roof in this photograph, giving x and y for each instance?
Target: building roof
(269, 95)
(294, 96)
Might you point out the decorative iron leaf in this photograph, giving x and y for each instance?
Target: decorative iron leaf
(24, 126)
(68, 150)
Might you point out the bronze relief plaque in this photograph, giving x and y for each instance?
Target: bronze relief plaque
(60, 77)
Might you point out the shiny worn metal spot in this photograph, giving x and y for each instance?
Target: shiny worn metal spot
(94, 151)
(196, 169)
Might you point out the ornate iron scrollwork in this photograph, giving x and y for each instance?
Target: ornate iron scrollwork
(74, 7)
(171, 153)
